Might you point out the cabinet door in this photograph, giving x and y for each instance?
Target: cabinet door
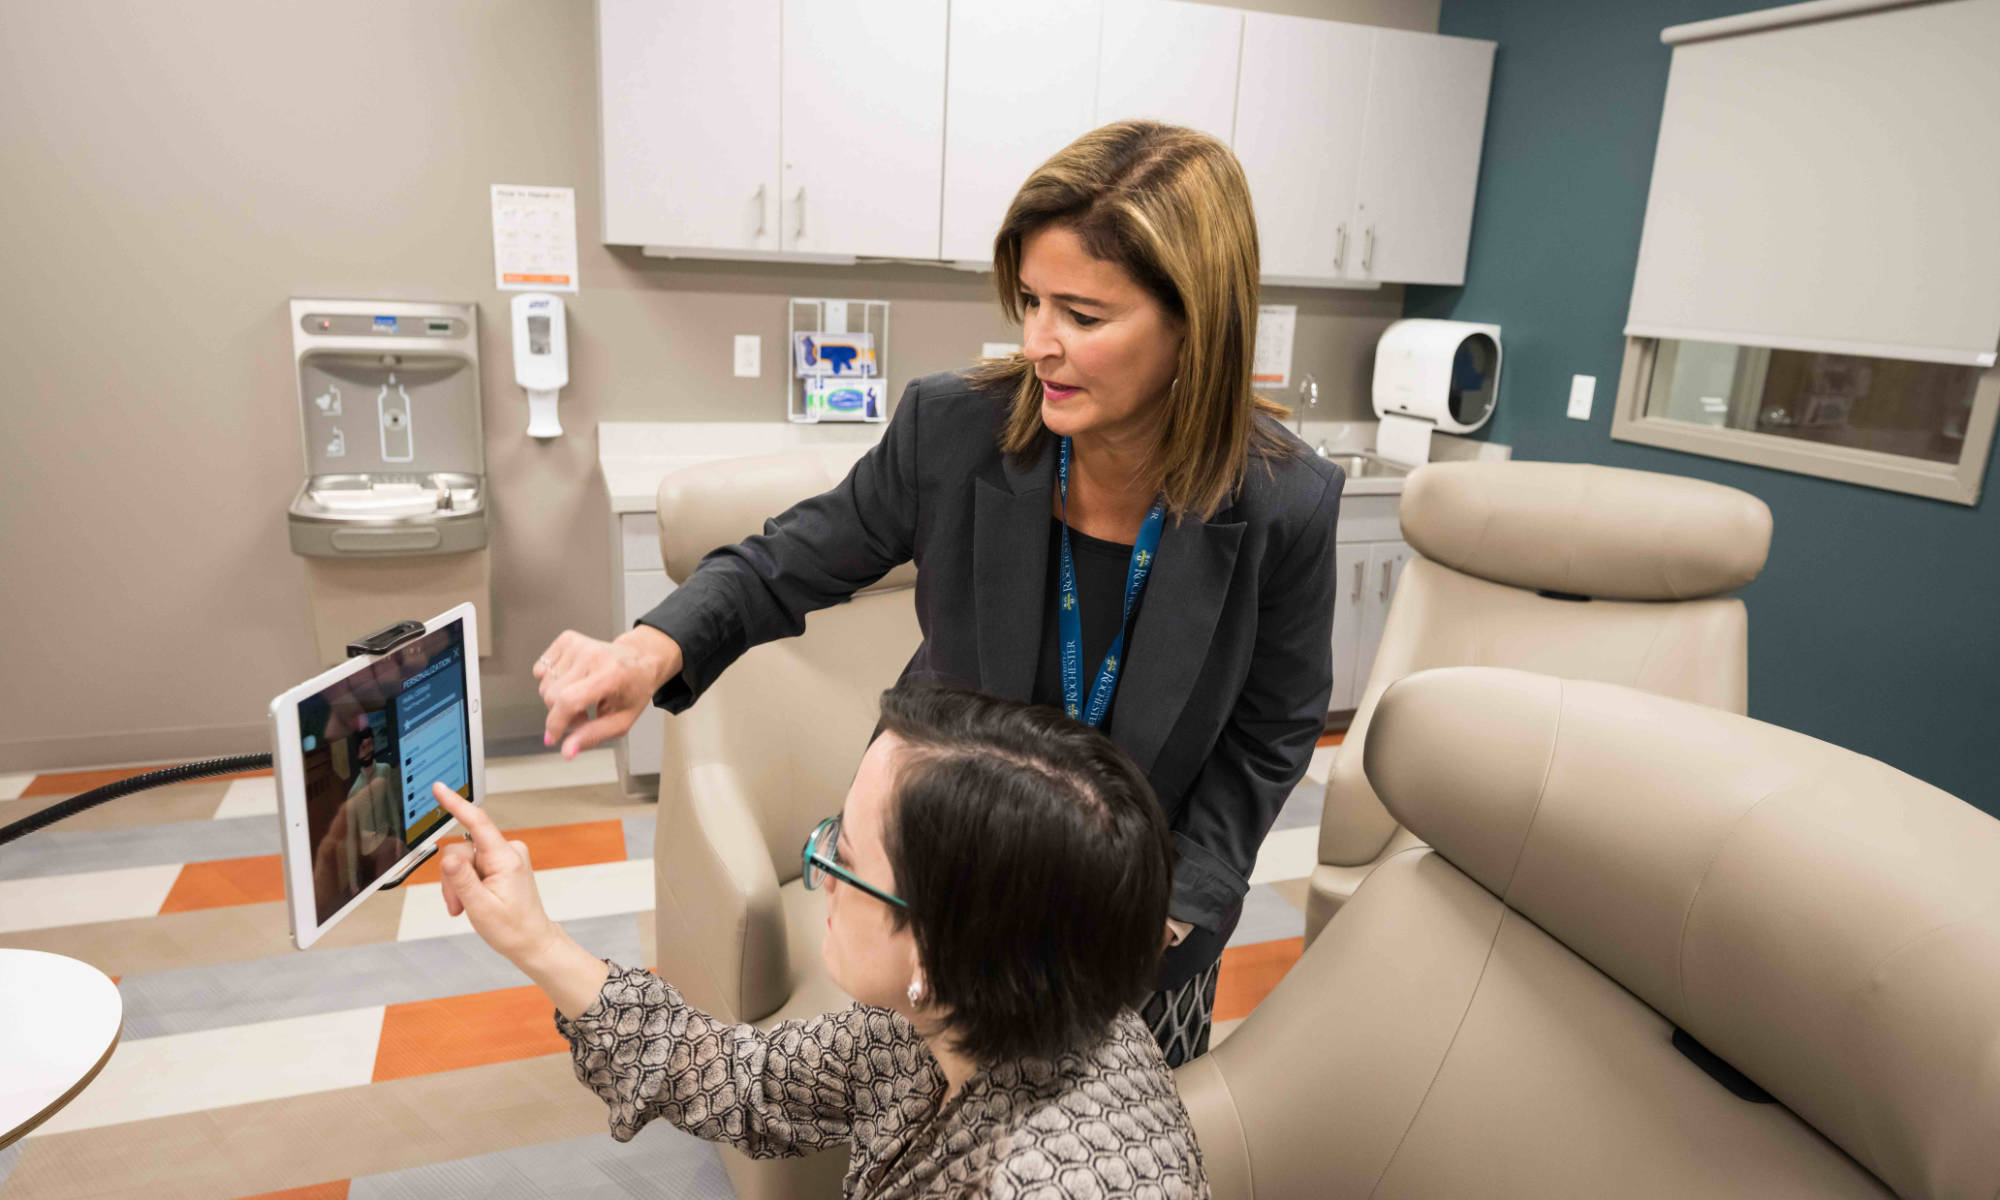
(1385, 570)
(1301, 101)
(680, 169)
(864, 126)
(1420, 156)
(1019, 87)
(1169, 61)
(1350, 586)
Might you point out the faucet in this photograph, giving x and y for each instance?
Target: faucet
(1309, 398)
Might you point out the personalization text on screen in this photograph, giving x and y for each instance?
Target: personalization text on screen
(430, 729)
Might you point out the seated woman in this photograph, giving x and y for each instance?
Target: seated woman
(998, 883)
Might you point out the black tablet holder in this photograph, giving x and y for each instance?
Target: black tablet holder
(382, 641)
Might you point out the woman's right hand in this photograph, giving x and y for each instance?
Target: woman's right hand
(617, 678)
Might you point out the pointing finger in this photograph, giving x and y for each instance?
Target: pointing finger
(486, 836)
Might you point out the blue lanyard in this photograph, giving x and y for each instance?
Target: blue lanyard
(1070, 617)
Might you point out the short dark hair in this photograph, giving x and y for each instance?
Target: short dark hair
(1036, 864)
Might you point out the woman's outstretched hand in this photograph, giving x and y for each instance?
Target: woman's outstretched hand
(617, 678)
(492, 883)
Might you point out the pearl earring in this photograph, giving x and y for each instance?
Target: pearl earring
(916, 992)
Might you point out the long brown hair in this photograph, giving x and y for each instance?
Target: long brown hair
(1171, 207)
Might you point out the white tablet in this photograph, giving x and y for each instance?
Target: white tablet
(355, 751)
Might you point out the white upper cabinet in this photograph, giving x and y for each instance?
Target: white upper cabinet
(1301, 101)
(689, 105)
(1021, 85)
(822, 129)
(863, 128)
(1169, 61)
(1420, 156)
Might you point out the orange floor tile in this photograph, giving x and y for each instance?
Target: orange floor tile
(465, 1031)
(259, 879)
(226, 881)
(70, 783)
(337, 1190)
(1250, 972)
(578, 845)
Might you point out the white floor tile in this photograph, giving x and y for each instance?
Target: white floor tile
(1287, 854)
(46, 901)
(193, 1072)
(1322, 764)
(11, 786)
(534, 771)
(568, 894)
(257, 797)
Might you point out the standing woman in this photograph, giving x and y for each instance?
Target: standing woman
(1109, 521)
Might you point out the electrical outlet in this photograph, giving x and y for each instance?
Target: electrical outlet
(1581, 390)
(749, 355)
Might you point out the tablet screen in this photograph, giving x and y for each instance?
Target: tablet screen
(371, 745)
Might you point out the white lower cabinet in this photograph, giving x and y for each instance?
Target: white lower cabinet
(1367, 576)
(640, 748)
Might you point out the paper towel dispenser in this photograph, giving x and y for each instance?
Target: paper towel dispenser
(1443, 372)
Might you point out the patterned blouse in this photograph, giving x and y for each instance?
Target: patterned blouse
(1103, 1123)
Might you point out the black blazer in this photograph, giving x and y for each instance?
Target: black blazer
(1226, 680)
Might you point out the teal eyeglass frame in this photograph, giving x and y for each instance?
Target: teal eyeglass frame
(814, 864)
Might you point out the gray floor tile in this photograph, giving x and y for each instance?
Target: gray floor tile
(1302, 807)
(59, 852)
(300, 984)
(1267, 916)
(661, 1162)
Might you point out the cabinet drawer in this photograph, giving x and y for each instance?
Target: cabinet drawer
(639, 542)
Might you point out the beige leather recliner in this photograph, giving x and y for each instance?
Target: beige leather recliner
(1495, 1017)
(752, 767)
(1568, 569)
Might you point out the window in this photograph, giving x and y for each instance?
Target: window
(1818, 284)
(1919, 427)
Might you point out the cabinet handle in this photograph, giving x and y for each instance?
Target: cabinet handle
(1368, 249)
(760, 210)
(802, 214)
(1360, 571)
(1385, 581)
(1340, 252)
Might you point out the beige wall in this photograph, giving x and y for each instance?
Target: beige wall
(176, 172)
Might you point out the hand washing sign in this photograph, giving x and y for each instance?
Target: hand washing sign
(534, 238)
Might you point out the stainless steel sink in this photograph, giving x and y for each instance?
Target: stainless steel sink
(1364, 466)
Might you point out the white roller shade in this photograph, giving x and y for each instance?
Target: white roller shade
(1828, 179)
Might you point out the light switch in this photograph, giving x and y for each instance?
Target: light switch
(998, 349)
(749, 355)
(1581, 389)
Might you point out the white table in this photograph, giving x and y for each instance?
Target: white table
(59, 1023)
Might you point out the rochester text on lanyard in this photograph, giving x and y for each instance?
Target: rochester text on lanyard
(1070, 617)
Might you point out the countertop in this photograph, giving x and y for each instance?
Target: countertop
(636, 455)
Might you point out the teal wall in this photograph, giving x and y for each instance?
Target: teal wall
(1876, 623)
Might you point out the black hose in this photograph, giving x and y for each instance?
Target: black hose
(125, 787)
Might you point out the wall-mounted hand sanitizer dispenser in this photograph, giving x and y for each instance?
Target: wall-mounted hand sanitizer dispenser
(541, 358)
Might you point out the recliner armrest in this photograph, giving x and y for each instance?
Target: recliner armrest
(714, 878)
(1225, 1154)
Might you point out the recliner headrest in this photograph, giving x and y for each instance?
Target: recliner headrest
(1586, 530)
(1826, 924)
(721, 503)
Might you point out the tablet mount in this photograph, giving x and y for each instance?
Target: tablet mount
(382, 641)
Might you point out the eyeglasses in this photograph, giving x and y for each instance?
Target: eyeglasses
(821, 858)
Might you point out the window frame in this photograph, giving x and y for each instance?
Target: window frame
(1957, 482)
